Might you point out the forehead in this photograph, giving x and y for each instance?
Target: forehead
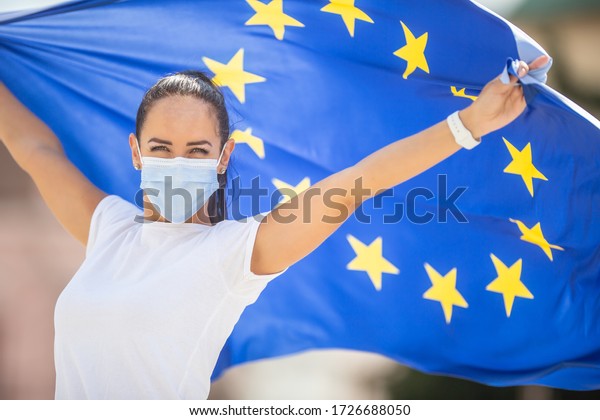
(180, 118)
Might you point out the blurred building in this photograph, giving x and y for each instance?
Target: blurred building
(37, 259)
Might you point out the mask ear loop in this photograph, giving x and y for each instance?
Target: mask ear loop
(219, 160)
(217, 208)
(136, 166)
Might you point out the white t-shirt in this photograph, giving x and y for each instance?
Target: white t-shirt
(149, 310)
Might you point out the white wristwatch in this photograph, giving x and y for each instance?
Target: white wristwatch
(462, 135)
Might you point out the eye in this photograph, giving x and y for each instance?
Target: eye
(155, 148)
(199, 150)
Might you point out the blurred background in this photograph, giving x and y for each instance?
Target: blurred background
(38, 258)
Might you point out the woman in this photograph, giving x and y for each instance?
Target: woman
(157, 295)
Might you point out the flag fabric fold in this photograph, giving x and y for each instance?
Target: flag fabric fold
(485, 267)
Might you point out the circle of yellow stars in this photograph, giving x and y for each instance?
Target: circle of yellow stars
(369, 257)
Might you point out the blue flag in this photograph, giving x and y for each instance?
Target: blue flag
(485, 267)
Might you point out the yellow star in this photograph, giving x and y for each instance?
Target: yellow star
(536, 237)
(444, 291)
(271, 15)
(413, 52)
(255, 143)
(348, 12)
(369, 258)
(461, 93)
(289, 191)
(508, 283)
(522, 165)
(232, 74)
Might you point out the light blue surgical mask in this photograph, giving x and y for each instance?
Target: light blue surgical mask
(178, 187)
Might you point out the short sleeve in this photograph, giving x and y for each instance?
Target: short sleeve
(111, 215)
(236, 242)
(254, 222)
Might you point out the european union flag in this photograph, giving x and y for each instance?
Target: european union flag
(486, 266)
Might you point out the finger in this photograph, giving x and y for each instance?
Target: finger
(512, 81)
(517, 93)
(517, 100)
(523, 68)
(541, 61)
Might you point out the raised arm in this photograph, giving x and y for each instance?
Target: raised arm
(70, 196)
(294, 229)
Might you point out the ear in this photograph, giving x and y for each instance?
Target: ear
(135, 156)
(228, 150)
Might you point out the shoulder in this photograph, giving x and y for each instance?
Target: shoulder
(235, 226)
(114, 209)
(236, 239)
(115, 204)
(112, 215)
(238, 233)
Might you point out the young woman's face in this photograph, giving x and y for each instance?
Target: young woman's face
(180, 126)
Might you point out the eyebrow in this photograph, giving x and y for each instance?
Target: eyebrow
(190, 143)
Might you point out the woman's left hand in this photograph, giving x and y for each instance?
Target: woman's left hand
(498, 104)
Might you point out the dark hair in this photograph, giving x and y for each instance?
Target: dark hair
(196, 84)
